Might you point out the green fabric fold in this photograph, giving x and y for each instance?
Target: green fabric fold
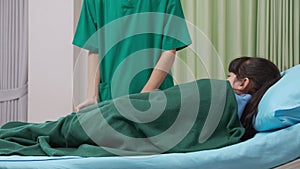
(190, 117)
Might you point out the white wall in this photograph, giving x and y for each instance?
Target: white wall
(51, 24)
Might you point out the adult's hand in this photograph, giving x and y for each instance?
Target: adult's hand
(87, 102)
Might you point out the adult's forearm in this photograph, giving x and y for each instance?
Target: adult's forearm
(93, 75)
(160, 71)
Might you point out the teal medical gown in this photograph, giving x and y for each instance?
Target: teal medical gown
(129, 36)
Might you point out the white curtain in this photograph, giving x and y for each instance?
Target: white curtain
(13, 60)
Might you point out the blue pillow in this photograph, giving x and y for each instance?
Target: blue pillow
(280, 105)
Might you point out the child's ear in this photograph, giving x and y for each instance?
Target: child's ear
(244, 84)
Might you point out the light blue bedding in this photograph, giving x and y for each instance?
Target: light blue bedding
(265, 150)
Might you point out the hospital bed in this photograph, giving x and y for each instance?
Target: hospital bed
(266, 150)
(277, 145)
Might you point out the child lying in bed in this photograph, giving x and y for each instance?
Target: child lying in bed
(189, 117)
(257, 75)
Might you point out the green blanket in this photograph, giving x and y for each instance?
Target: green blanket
(189, 117)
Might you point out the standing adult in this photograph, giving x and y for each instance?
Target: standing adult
(132, 45)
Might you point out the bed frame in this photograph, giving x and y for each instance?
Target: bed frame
(291, 165)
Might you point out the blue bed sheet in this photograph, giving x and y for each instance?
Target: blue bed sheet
(265, 150)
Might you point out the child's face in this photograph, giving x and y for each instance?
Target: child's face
(234, 82)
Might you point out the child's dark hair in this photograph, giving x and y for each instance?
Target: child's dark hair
(262, 74)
